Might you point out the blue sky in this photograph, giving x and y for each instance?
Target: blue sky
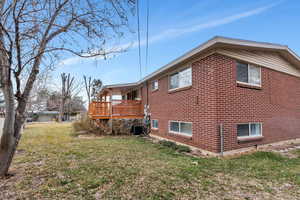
(176, 26)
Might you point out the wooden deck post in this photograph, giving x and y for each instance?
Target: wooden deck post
(111, 114)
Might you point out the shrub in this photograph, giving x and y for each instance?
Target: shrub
(101, 127)
(86, 126)
(167, 143)
(182, 148)
(174, 146)
(83, 124)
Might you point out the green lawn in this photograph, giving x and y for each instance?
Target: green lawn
(51, 164)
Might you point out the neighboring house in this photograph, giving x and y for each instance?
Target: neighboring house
(46, 116)
(51, 116)
(251, 89)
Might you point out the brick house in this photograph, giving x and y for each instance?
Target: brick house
(250, 89)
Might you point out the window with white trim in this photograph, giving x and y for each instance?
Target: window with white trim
(181, 79)
(249, 130)
(249, 74)
(154, 124)
(154, 85)
(184, 128)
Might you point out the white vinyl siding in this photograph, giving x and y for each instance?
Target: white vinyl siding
(154, 85)
(249, 130)
(154, 124)
(182, 128)
(180, 79)
(271, 60)
(248, 74)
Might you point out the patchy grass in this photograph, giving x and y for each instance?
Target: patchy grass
(174, 146)
(50, 164)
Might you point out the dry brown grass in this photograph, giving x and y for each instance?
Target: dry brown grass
(50, 164)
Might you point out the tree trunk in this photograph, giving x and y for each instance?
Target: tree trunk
(61, 110)
(8, 141)
(10, 136)
(13, 122)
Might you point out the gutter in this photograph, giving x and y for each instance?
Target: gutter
(210, 43)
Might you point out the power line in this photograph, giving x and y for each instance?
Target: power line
(147, 37)
(139, 36)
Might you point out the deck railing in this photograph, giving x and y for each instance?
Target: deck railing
(115, 109)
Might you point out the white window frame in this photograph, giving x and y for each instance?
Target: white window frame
(155, 128)
(249, 126)
(180, 133)
(251, 84)
(169, 78)
(153, 82)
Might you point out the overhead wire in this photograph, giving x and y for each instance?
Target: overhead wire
(139, 37)
(147, 37)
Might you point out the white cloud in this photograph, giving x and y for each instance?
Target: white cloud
(70, 61)
(76, 59)
(176, 32)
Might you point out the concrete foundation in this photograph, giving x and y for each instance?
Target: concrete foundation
(117, 126)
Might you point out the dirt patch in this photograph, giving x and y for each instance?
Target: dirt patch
(284, 149)
(91, 136)
(20, 151)
(194, 151)
(7, 183)
(237, 188)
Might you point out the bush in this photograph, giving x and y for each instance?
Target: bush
(87, 126)
(101, 127)
(82, 125)
(182, 148)
(167, 143)
(174, 146)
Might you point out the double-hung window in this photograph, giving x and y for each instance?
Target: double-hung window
(181, 79)
(154, 124)
(183, 128)
(248, 74)
(249, 130)
(154, 85)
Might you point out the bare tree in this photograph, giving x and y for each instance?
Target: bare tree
(69, 89)
(92, 88)
(96, 87)
(88, 87)
(53, 103)
(66, 85)
(40, 92)
(32, 35)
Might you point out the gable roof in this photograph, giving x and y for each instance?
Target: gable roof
(223, 42)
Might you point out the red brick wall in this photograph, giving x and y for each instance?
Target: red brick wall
(215, 98)
(196, 104)
(276, 104)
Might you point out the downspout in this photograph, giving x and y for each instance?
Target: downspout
(221, 139)
(147, 93)
(148, 124)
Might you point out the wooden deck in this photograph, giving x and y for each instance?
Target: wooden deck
(116, 109)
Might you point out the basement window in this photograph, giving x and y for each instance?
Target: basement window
(154, 124)
(249, 130)
(182, 128)
(248, 74)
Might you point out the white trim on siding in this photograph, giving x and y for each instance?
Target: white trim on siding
(266, 59)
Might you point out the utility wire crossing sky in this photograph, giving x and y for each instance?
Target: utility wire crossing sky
(176, 27)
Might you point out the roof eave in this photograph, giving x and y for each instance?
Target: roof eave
(210, 44)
